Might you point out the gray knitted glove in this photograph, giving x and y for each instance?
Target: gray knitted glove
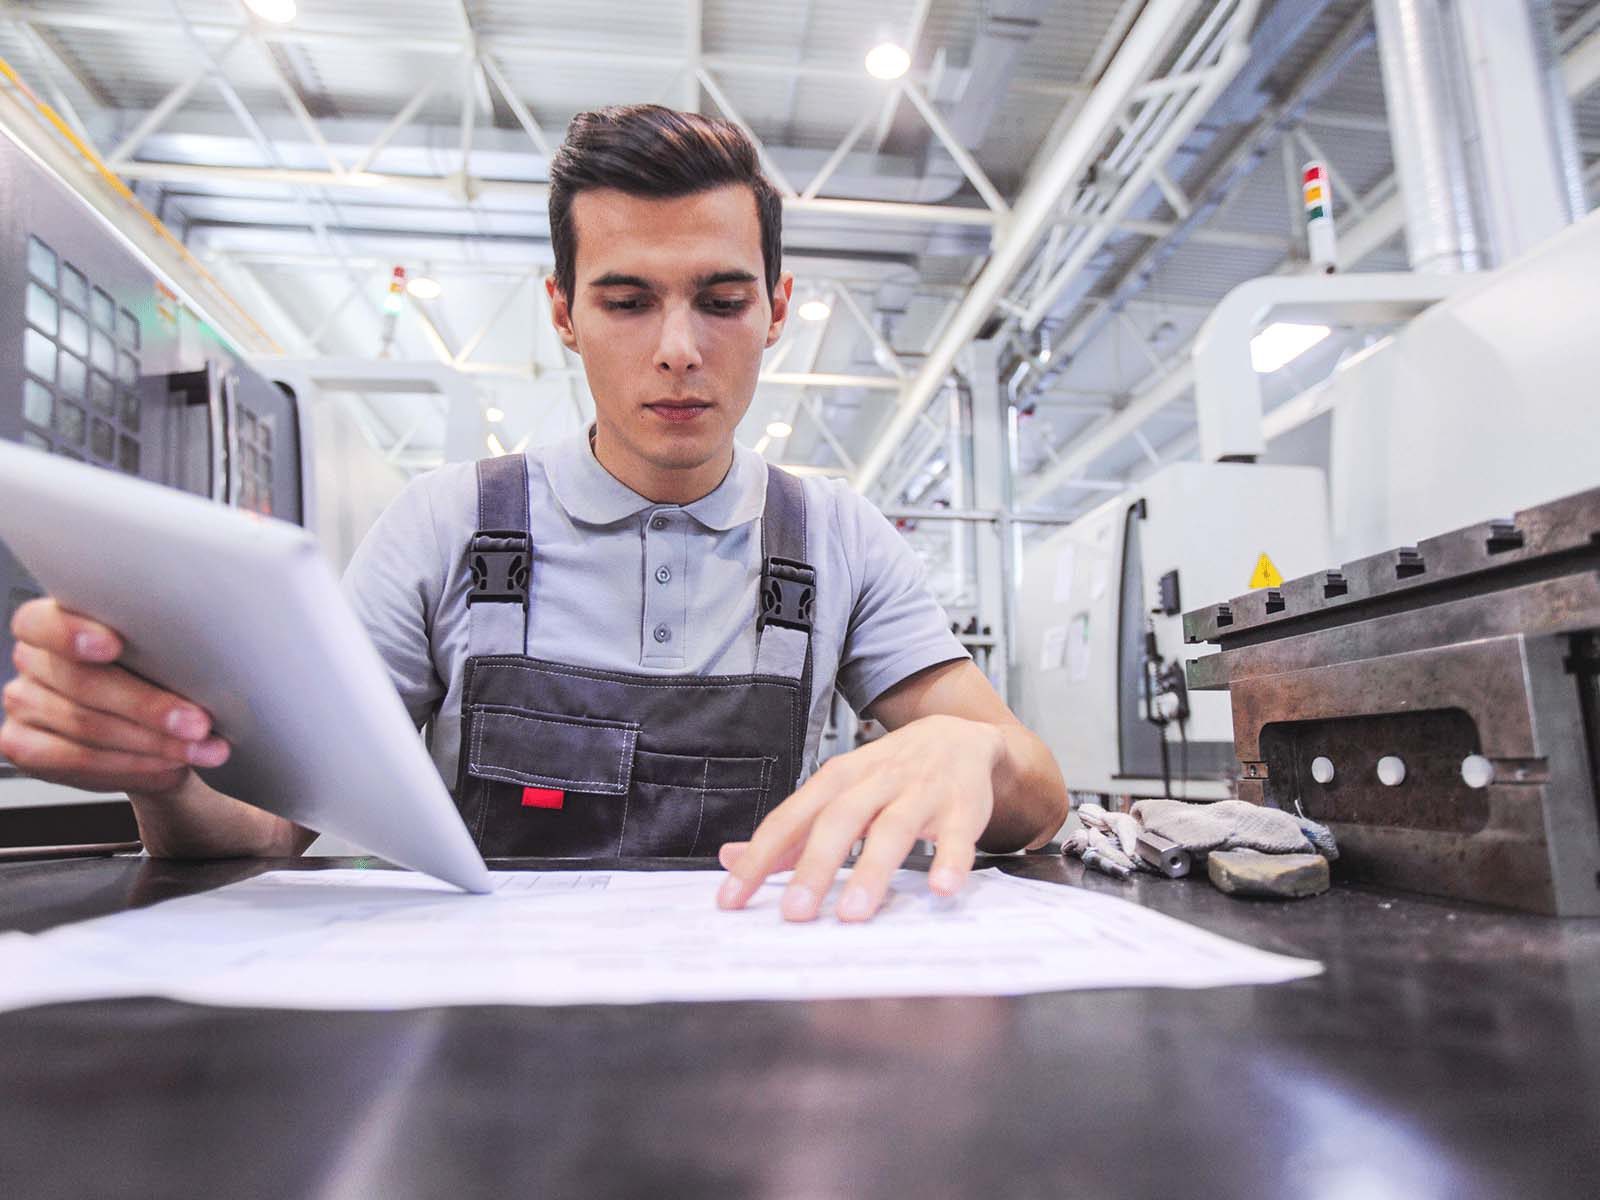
(1224, 825)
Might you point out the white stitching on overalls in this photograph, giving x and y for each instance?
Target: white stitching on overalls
(705, 779)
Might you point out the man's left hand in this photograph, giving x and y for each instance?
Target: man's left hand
(932, 778)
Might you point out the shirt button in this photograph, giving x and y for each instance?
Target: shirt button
(663, 574)
(663, 634)
(658, 523)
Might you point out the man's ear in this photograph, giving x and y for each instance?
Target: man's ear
(561, 315)
(780, 308)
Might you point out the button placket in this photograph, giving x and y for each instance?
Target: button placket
(665, 612)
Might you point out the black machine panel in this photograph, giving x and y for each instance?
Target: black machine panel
(100, 361)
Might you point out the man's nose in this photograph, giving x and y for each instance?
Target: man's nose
(679, 349)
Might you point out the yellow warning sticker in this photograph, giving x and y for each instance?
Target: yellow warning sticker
(1266, 575)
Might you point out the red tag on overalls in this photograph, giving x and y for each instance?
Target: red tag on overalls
(542, 798)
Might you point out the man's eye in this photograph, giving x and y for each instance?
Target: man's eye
(631, 304)
(725, 307)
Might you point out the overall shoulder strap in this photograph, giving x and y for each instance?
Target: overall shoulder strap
(788, 582)
(500, 558)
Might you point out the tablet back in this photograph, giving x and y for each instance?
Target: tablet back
(240, 614)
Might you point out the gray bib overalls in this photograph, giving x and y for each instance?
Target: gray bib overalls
(566, 761)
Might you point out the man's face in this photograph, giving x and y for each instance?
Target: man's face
(670, 313)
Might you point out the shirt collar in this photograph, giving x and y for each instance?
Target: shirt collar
(592, 495)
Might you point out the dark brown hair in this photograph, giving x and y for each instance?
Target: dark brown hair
(649, 150)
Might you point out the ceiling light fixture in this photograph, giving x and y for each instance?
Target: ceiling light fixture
(815, 310)
(887, 61)
(425, 288)
(1280, 343)
(494, 415)
(279, 12)
(779, 429)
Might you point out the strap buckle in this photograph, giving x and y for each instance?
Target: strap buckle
(499, 561)
(788, 593)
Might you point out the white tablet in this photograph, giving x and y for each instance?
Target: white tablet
(240, 614)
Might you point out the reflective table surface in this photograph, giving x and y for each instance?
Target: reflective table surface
(1448, 1051)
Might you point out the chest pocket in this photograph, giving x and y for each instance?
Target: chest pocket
(618, 800)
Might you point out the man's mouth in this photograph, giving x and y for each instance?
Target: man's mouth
(678, 410)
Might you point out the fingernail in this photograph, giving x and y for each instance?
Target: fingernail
(207, 754)
(728, 893)
(186, 723)
(92, 645)
(944, 879)
(799, 903)
(855, 904)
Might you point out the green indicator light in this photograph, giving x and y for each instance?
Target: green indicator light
(1316, 212)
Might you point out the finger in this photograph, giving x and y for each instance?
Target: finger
(893, 835)
(782, 830)
(54, 759)
(832, 834)
(45, 624)
(34, 704)
(732, 852)
(115, 691)
(953, 855)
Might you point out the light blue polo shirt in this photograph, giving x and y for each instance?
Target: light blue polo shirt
(624, 584)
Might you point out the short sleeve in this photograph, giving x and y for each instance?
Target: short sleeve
(393, 583)
(896, 626)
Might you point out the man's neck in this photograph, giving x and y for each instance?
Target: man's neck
(656, 484)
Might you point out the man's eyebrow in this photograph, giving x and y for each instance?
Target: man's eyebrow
(618, 279)
(716, 277)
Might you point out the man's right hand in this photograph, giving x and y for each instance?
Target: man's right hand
(74, 717)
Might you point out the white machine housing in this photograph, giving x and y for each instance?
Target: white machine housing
(1080, 633)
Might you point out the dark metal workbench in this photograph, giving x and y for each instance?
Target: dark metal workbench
(1448, 1051)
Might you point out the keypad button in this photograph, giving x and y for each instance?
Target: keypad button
(102, 311)
(102, 394)
(39, 355)
(41, 309)
(74, 287)
(41, 262)
(74, 376)
(38, 404)
(74, 332)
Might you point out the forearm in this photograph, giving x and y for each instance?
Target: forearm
(1030, 797)
(197, 821)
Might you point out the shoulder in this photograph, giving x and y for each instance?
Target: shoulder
(846, 518)
(448, 494)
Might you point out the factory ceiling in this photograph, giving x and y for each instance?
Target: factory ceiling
(302, 162)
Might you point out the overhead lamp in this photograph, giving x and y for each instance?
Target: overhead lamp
(888, 61)
(779, 429)
(1280, 343)
(424, 287)
(494, 415)
(815, 310)
(279, 12)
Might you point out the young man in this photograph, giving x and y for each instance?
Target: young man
(624, 644)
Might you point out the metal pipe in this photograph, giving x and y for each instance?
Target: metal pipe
(1425, 101)
(1580, 71)
(1146, 42)
(1194, 108)
(1562, 129)
(1352, 40)
(956, 473)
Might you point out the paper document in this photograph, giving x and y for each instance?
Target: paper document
(355, 939)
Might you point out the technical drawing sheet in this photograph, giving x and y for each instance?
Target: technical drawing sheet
(379, 939)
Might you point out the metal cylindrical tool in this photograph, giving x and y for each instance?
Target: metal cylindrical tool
(1164, 854)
